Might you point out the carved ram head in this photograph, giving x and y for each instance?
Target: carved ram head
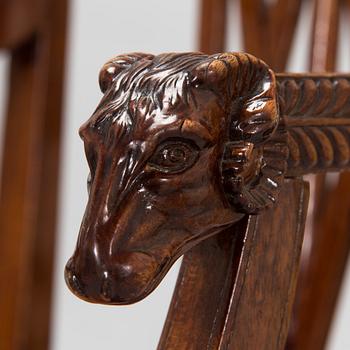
(178, 151)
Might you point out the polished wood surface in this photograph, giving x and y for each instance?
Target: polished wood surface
(215, 187)
(202, 294)
(268, 29)
(316, 110)
(326, 246)
(246, 301)
(19, 20)
(212, 34)
(30, 170)
(324, 43)
(253, 243)
(161, 161)
(181, 148)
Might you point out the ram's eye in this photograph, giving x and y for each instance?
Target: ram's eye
(174, 156)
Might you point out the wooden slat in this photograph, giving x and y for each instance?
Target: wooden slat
(325, 36)
(213, 26)
(284, 18)
(268, 29)
(324, 258)
(29, 183)
(327, 238)
(255, 31)
(209, 311)
(19, 181)
(19, 21)
(261, 305)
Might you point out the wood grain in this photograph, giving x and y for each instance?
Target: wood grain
(213, 26)
(268, 29)
(147, 224)
(196, 317)
(323, 51)
(28, 199)
(255, 314)
(256, 143)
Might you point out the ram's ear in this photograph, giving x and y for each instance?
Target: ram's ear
(258, 117)
(212, 74)
(251, 177)
(114, 66)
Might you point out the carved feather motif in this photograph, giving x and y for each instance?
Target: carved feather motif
(316, 114)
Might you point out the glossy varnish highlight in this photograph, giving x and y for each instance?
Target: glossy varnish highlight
(183, 145)
(175, 154)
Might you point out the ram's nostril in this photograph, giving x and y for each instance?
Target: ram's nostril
(73, 281)
(106, 288)
(76, 285)
(126, 279)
